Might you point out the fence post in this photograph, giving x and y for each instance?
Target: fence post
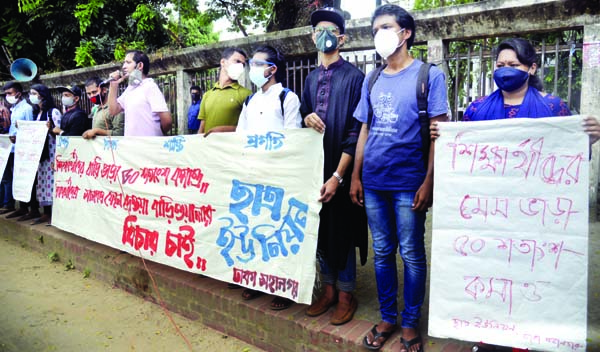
(590, 104)
(183, 83)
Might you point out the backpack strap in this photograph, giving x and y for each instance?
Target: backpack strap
(282, 96)
(247, 100)
(422, 93)
(372, 79)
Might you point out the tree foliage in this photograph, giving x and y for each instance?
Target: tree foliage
(64, 34)
(432, 4)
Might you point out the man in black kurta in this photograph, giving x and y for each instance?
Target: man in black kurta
(330, 95)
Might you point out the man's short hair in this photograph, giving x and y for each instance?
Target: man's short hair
(230, 51)
(93, 80)
(195, 88)
(139, 56)
(403, 18)
(15, 85)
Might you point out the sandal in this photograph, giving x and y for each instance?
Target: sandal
(410, 343)
(249, 294)
(376, 335)
(280, 303)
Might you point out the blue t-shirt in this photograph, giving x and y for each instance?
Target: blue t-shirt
(193, 122)
(393, 155)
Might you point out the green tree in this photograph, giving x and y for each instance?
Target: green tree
(432, 4)
(60, 34)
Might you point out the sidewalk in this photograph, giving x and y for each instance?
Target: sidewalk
(212, 304)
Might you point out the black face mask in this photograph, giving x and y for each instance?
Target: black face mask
(195, 96)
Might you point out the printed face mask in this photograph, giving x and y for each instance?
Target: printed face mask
(327, 41)
(67, 101)
(257, 76)
(96, 99)
(387, 41)
(509, 78)
(235, 71)
(135, 78)
(11, 99)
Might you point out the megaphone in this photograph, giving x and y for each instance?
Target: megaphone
(23, 70)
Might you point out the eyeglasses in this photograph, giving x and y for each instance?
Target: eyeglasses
(332, 29)
(256, 63)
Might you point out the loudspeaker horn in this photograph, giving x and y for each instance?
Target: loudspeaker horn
(23, 70)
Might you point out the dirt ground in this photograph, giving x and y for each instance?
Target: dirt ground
(44, 307)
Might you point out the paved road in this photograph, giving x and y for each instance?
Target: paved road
(44, 307)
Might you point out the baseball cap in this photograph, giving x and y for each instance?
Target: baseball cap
(72, 88)
(329, 14)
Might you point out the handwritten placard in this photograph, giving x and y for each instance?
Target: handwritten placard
(28, 150)
(5, 147)
(207, 205)
(510, 233)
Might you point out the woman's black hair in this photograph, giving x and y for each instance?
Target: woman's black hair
(525, 54)
(47, 101)
(276, 57)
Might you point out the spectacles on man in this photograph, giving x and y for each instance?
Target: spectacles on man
(257, 62)
(319, 29)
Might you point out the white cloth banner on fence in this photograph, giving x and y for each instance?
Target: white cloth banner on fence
(28, 150)
(510, 233)
(240, 208)
(5, 147)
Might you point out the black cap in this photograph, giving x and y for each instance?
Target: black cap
(329, 14)
(72, 88)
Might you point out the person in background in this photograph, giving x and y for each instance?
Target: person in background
(45, 110)
(520, 93)
(146, 111)
(74, 121)
(20, 111)
(222, 104)
(272, 108)
(194, 110)
(331, 93)
(7, 203)
(103, 123)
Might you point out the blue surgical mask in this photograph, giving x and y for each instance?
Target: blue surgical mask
(327, 41)
(509, 78)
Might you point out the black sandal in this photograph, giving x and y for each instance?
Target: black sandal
(410, 343)
(376, 335)
(280, 303)
(249, 294)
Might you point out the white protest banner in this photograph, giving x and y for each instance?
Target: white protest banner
(240, 208)
(5, 148)
(510, 233)
(28, 150)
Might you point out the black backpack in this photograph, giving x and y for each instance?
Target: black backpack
(282, 96)
(422, 92)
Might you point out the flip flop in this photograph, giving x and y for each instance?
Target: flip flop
(280, 303)
(249, 294)
(376, 335)
(410, 343)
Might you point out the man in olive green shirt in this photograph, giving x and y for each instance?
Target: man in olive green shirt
(221, 106)
(103, 124)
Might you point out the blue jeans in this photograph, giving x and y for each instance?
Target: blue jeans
(393, 224)
(346, 278)
(6, 196)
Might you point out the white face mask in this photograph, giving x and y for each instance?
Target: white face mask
(11, 99)
(135, 78)
(257, 76)
(34, 99)
(235, 71)
(67, 101)
(387, 41)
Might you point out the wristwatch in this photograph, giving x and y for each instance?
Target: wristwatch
(339, 178)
